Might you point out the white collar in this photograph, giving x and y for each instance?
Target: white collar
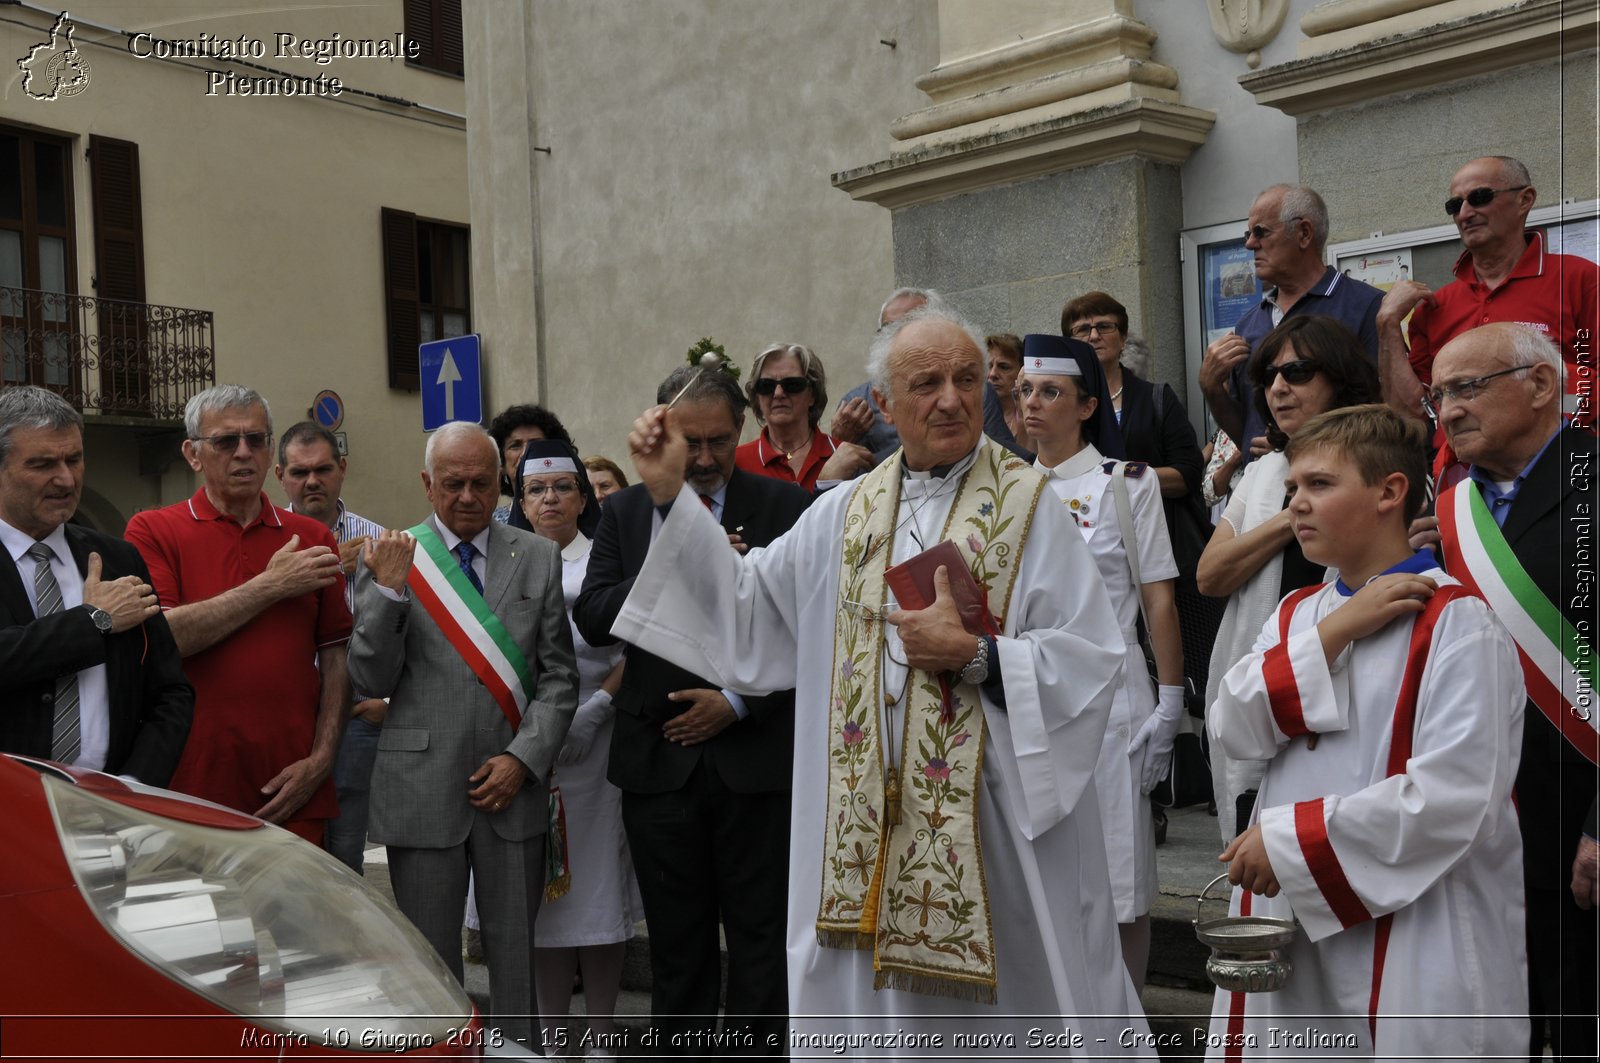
(1075, 466)
(576, 548)
(17, 542)
(451, 540)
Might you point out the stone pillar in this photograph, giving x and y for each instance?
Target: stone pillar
(503, 186)
(1045, 165)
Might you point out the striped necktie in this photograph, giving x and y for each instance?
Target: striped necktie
(65, 740)
(465, 551)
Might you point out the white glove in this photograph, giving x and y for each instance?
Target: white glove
(586, 723)
(1156, 737)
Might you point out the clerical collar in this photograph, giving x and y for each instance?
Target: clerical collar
(1418, 563)
(939, 472)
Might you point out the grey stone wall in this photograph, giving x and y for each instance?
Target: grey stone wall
(1385, 166)
(1010, 257)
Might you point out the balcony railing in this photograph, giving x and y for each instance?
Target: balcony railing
(107, 356)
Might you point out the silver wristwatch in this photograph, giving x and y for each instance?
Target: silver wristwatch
(101, 618)
(977, 669)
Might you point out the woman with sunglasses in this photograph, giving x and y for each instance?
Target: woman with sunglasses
(788, 389)
(1308, 365)
(590, 923)
(1066, 410)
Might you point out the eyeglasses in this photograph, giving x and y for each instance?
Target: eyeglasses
(1298, 372)
(1478, 197)
(1261, 232)
(229, 442)
(560, 487)
(1047, 393)
(791, 385)
(716, 444)
(1462, 391)
(1105, 328)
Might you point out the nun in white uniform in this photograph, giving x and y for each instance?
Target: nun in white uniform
(1065, 408)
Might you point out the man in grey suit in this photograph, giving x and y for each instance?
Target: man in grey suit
(462, 626)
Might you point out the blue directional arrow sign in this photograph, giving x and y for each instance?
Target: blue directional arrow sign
(452, 381)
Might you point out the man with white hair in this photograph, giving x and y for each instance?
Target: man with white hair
(255, 600)
(463, 628)
(947, 872)
(1287, 229)
(1519, 532)
(859, 420)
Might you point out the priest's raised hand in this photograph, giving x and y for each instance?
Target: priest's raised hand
(659, 451)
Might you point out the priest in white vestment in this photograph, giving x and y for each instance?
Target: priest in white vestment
(949, 891)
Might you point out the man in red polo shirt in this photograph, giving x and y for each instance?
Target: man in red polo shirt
(254, 595)
(1505, 274)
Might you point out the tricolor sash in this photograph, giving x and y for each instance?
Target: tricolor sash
(1557, 663)
(470, 626)
(914, 890)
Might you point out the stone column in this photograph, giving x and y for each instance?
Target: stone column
(1044, 166)
(503, 185)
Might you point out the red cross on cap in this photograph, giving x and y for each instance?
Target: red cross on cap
(548, 463)
(1038, 362)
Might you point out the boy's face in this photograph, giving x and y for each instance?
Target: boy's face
(1336, 516)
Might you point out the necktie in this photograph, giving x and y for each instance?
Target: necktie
(465, 551)
(65, 741)
(708, 502)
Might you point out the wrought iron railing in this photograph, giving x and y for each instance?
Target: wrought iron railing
(107, 356)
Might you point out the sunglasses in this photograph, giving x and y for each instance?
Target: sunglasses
(791, 385)
(1298, 372)
(229, 443)
(1478, 197)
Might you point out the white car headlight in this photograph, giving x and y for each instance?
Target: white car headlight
(258, 922)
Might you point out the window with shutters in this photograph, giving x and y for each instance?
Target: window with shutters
(427, 285)
(436, 27)
(37, 269)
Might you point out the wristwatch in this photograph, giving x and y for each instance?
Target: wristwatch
(101, 618)
(977, 669)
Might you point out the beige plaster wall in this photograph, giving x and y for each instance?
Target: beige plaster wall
(265, 211)
(687, 192)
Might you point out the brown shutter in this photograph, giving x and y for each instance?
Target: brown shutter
(119, 275)
(401, 297)
(436, 27)
(447, 32)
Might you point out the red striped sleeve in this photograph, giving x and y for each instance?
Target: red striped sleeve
(1311, 829)
(1283, 692)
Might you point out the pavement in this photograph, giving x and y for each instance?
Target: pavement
(1177, 997)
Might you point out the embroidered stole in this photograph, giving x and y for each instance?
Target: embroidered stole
(469, 624)
(914, 891)
(1557, 663)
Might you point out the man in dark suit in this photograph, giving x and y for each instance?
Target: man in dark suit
(1497, 392)
(704, 773)
(89, 674)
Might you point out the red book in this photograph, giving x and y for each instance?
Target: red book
(912, 583)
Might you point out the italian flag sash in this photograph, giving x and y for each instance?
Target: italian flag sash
(1557, 663)
(467, 622)
(903, 875)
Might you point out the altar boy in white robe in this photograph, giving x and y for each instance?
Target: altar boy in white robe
(949, 890)
(1390, 703)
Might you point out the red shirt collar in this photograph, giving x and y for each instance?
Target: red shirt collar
(200, 508)
(1531, 264)
(768, 454)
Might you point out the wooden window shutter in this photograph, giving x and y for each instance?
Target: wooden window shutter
(447, 33)
(401, 298)
(436, 27)
(123, 355)
(118, 229)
